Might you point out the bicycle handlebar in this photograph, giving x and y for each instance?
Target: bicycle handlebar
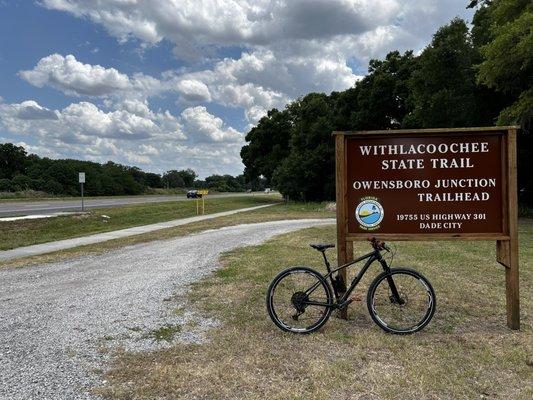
(378, 245)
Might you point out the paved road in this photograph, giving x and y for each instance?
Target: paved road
(14, 208)
(56, 319)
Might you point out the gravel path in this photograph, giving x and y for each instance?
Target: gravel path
(59, 322)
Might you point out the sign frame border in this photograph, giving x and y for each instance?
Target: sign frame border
(506, 241)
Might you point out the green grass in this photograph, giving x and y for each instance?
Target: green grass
(27, 232)
(277, 212)
(466, 352)
(166, 333)
(24, 195)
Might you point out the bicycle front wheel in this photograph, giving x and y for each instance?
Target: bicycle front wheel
(299, 300)
(401, 301)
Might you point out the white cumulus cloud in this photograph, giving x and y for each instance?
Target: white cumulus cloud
(284, 49)
(231, 22)
(73, 77)
(193, 90)
(130, 133)
(31, 110)
(78, 121)
(205, 126)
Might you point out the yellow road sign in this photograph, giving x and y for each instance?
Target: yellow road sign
(200, 205)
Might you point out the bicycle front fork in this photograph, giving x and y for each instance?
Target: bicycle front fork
(395, 298)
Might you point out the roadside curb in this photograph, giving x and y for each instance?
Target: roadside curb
(50, 247)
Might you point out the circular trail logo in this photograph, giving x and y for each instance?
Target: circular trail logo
(369, 213)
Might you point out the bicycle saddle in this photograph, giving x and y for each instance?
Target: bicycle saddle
(321, 246)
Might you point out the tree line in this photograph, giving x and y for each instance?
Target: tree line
(20, 171)
(465, 77)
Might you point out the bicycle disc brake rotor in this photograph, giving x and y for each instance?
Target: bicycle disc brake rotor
(298, 300)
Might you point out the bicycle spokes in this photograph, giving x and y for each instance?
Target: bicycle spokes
(401, 302)
(296, 300)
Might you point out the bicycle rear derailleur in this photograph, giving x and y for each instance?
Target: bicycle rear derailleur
(298, 300)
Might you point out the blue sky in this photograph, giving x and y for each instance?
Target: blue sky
(176, 84)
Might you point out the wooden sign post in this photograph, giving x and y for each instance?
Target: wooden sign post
(429, 184)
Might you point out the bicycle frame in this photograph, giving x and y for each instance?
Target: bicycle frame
(344, 300)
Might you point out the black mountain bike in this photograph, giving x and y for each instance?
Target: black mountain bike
(400, 300)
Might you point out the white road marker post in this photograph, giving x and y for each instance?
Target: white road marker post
(81, 180)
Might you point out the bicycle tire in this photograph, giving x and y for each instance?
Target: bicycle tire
(271, 309)
(425, 284)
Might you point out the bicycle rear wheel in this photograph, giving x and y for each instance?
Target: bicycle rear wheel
(409, 309)
(299, 300)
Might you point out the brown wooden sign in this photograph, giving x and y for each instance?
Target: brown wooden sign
(430, 184)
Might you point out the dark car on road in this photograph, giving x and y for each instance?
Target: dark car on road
(193, 194)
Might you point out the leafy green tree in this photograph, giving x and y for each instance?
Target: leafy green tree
(308, 171)
(66, 174)
(137, 174)
(346, 106)
(179, 179)
(505, 36)
(124, 182)
(188, 176)
(153, 180)
(378, 101)
(382, 95)
(481, 32)
(37, 184)
(53, 187)
(225, 183)
(443, 85)
(508, 55)
(173, 179)
(268, 145)
(12, 160)
(21, 182)
(5, 185)
(61, 176)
